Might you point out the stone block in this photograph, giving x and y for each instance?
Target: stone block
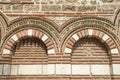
(64, 69)
(68, 50)
(116, 69)
(105, 37)
(8, 7)
(31, 7)
(49, 69)
(44, 38)
(86, 8)
(6, 69)
(51, 7)
(75, 36)
(14, 37)
(17, 7)
(90, 32)
(1, 69)
(51, 51)
(2, 7)
(114, 51)
(71, 1)
(69, 7)
(100, 70)
(109, 7)
(6, 51)
(30, 69)
(80, 70)
(14, 69)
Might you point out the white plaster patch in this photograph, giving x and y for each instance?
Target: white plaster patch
(30, 69)
(14, 69)
(116, 69)
(100, 70)
(30, 32)
(80, 69)
(14, 37)
(105, 37)
(114, 51)
(68, 50)
(90, 32)
(49, 69)
(44, 37)
(63, 69)
(6, 51)
(75, 36)
(51, 51)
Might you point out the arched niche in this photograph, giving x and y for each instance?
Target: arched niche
(10, 42)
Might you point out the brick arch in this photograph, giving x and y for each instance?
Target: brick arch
(103, 37)
(34, 22)
(8, 45)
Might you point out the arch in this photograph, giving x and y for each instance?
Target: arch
(9, 43)
(102, 36)
(34, 22)
(88, 22)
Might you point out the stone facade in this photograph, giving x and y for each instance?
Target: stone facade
(59, 40)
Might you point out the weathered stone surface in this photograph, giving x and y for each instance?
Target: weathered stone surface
(51, 7)
(109, 7)
(5, 0)
(107, 0)
(71, 1)
(8, 7)
(59, 1)
(58, 5)
(70, 7)
(31, 7)
(1, 7)
(15, 1)
(17, 7)
(86, 8)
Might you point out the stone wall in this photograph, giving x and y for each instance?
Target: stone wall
(58, 6)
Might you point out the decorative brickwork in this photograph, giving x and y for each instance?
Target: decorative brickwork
(59, 40)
